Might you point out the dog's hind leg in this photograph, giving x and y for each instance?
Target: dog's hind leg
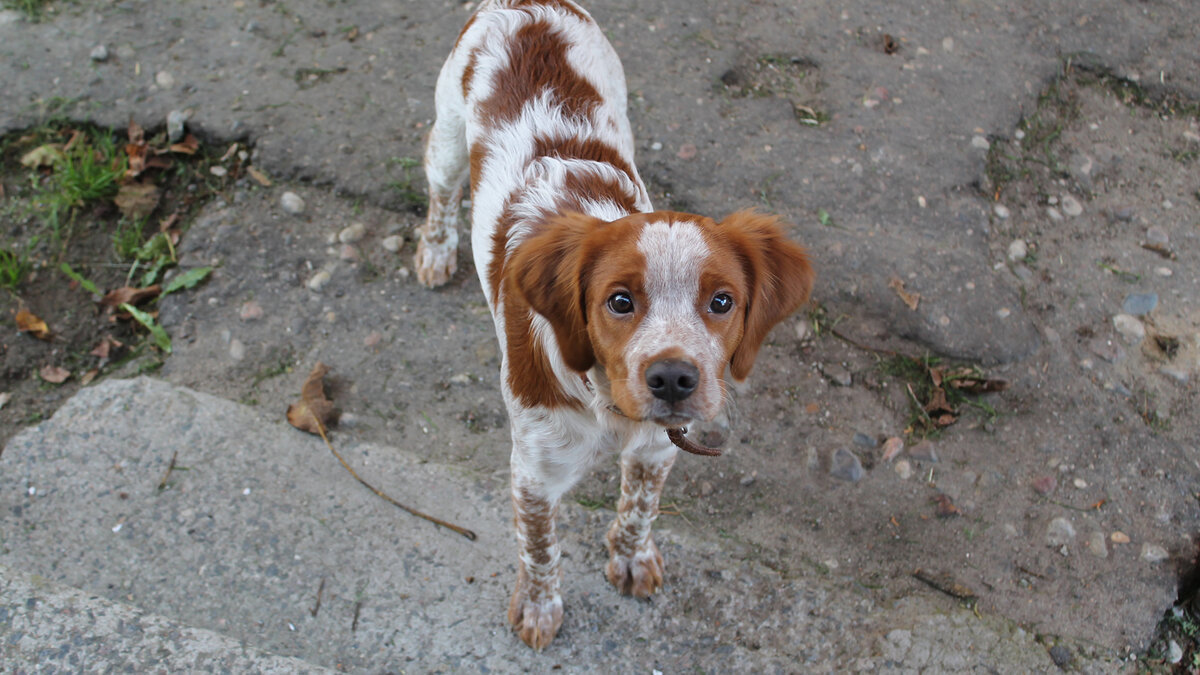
(446, 168)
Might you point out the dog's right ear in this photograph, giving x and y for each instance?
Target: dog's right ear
(547, 270)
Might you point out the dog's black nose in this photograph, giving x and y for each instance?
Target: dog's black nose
(672, 380)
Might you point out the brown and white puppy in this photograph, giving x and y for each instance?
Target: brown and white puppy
(615, 321)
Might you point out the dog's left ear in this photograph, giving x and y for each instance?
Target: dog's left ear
(780, 279)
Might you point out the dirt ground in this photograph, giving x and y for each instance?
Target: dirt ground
(1067, 503)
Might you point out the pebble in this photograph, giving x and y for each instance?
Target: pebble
(656, 146)
(372, 338)
(1157, 235)
(99, 54)
(393, 244)
(1059, 532)
(1071, 206)
(892, 447)
(846, 466)
(164, 79)
(292, 203)
(1119, 537)
(1129, 327)
(1174, 652)
(319, 280)
(352, 234)
(1153, 553)
(5, 397)
(1123, 214)
(176, 120)
(348, 252)
(981, 143)
(1096, 545)
(865, 441)
(1139, 304)
(237, 350)
(748, 480)
(218, 171)
(1022, 272)
(904, 469)
(837, 375)
(1061, 656)
(251, 311)
(1054, 213)
(923, 451)
(1001, 211)
(1017, 250)
(1044, 485)
(1163, 271)
(1080, 483)
(1177, 374)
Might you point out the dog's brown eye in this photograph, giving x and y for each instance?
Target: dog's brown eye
(620, 303)
(721, 303)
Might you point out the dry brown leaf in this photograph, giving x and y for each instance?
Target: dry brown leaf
(313, 411)
(129, 294)
(258, 176)
(89, 376)
(946, 507)
(137, 200)
(105, 347)
(137, 159)
(188, 146)
(910, 299)
(27, 322)
(137, 135)
(891, 448)
(54, 374)
(43, 155)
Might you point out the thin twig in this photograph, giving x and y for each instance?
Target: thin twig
(320, 590)
(162, 484)
(436, 521)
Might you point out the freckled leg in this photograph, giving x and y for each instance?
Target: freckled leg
(446, 168)
(635, 566)
(536, 609)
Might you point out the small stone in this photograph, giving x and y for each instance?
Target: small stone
(948, 44)
(1080, 483)
(176, 120)
(1059, 532)
(865, 441)
(1071, 206)
(981, 143)
(1139, 304)
(1163, 271)
(237, 350)
(1001, 211)
(393, 243)
(1017, 250)
(1130, 328)
(1174, 652)
(1119, 537)
(892, 447)
(1180, 376)
(372, 338)
(1157, 235)
(99, 54)
(1096, 545)
(347, 420)
(1123, 214)
(1061, 656)
(1153, 553)
(748, 480)
(837, 375)
(352, 234)
(1019, 135)
(1022, 272)
(923, 451)
(686, 151)
(164, 79)
(292, 203)
(218, 171)
(1044, 485)
(348, 253)
(5, 397)
(1054, 213)
(319, 280)
(846, 466)
(904, 469)
(656, 146)
(1003, 313)
(251, 311)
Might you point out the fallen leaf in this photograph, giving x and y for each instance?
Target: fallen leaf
(971, 380)
(188, 146)
(127, 294)
(89, 376)
(161, 339)
(43, 155)
(258, 176)
(946, 507)
(188, 279)
(892, 447)
(27, 322)
(137, 200)
(229, 153)
(136, 134)
(137, 159)
(54, 374)
(910, 299)
(313, 411)
(105, 347)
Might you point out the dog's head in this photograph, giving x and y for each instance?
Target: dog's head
(662, 303)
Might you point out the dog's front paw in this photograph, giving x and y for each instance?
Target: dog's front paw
(536, 621)
(436, 262)
(640, 574)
